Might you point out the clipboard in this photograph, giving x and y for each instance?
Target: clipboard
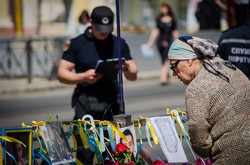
(108, 68)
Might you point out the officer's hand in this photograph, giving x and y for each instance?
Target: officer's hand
(92, 77)
(125, 66)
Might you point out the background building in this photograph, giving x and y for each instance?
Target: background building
(60, 17)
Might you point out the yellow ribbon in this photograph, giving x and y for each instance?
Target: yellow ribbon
(184, 113)
(173, 116)
(139, 128)
(114, 130)
(78, 162)
(97, 141)
(73, 136)
(87, 122)
(118, 125)
(44, 151)
(11, 139)
(154, 136)
(36, 125)
(49, 118)
(83, 137)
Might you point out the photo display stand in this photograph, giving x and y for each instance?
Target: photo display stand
(13, 151)
(168, 139)
(55, 141)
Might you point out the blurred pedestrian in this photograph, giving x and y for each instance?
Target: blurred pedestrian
(95, 94)
(166, 31)
(83, 22)
(234, 45)
(208, 14)
(217, 101)
(147, 14)
(240, 11)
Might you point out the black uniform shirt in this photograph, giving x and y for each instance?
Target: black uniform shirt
(234, 46)
(85, 50)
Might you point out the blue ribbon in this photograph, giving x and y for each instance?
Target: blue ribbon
(97, 151)
(182, 126)
(148, 134)
(102, 137)
(184, 117)
(112, 142)
(11, 156)
(91, 147)
(140, 143)
(42, 157)
(41, 144)
(69, 133)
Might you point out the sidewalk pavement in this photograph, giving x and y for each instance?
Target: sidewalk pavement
(20, 85)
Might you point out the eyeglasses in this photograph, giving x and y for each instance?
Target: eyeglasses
(172, 67)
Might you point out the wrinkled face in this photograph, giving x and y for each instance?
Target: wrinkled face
(183, 70)
(97, 34)
(129, 143)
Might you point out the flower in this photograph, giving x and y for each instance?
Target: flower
(198, 161)
(158, 162)
(208, 162)
(123, 156)
(121, 148)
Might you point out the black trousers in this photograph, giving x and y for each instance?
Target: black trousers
(99, 110)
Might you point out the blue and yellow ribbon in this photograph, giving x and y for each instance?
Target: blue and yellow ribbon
(140, 136)
(154, 136)
(177, 119)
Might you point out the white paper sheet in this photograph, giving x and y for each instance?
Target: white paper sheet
(168, 139)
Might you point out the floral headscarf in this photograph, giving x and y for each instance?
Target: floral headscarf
(188, 47)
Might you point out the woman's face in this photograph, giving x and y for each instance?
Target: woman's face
(84, 19)
(183, 71)
(164, 10)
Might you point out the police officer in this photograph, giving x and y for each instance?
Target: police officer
(95, 94)
(234, 46)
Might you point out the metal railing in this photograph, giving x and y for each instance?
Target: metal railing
(30, 56)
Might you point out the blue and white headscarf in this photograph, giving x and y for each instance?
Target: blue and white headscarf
(188, 47)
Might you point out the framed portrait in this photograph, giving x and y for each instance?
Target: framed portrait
(130, 134)
(20, 153)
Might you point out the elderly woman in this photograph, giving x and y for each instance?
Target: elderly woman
(217, 101)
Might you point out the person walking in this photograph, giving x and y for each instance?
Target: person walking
(95, 94)
(166, 31)
(217, 101)
(83, 22)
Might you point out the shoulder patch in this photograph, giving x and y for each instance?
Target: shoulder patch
(66, 46)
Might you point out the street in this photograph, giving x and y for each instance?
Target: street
(142, 97)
